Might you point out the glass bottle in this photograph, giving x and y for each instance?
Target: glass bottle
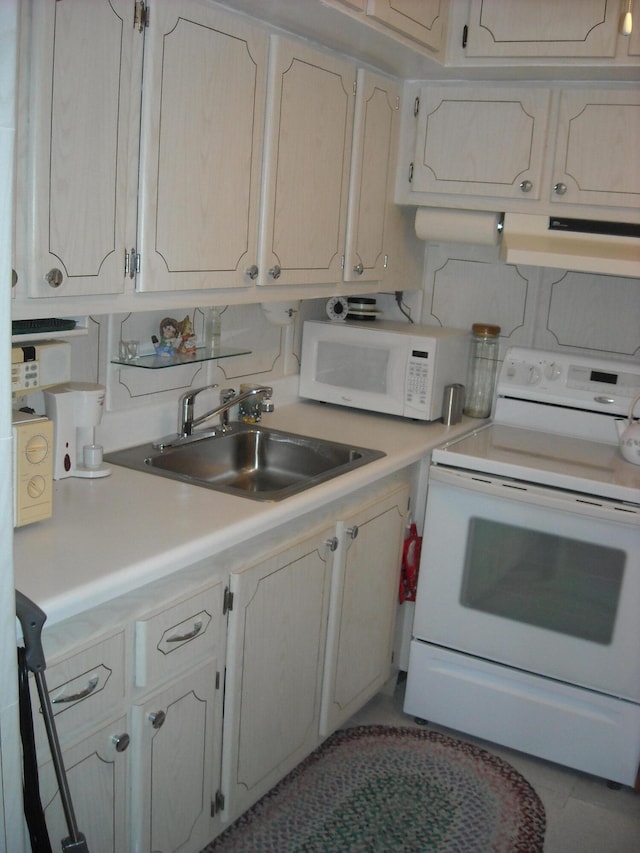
(212, 330)
(483, 363)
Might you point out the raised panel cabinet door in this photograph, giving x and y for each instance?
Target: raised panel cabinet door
(307, 155)
(84, 61)
(373, 159)
(420, 20)
(175, 766)
(96, 773)
(201, 145)
(364, 598)
(474, 141)
(544, 28)
(597, 158)
(277, 632)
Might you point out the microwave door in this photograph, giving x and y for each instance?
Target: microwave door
(363, 372)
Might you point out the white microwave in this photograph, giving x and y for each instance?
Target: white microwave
(381, 366)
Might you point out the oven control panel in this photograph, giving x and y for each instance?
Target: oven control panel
(596, 384)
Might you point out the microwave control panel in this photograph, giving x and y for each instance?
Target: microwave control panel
(417, 381)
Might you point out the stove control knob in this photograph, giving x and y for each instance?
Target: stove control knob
(552, 370)
(534, 375)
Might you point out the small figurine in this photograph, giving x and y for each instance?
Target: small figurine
(169, 337)
(188, 342)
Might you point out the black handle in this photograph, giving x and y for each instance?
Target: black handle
(32, 618)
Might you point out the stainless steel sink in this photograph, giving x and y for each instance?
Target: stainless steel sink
(249, 460)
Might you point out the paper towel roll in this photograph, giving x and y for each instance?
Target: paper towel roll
(457, 226)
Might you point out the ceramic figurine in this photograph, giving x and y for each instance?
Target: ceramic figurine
(169, 337)
(188, 337)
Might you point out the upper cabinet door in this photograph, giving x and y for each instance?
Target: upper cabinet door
(372, 161)
(545, 28)
(82, 73)
(307, 154)
(201, 142)
(477, 141)
(597, 158)
(420, 20)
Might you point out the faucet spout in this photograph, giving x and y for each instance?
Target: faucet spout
(227, 401)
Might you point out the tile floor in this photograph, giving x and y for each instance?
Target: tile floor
(583, 814)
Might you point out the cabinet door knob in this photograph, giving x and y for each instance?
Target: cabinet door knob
(560, 189)
(274, 272)
(352, 532)
(121, 742)
(157, 719)
(332, 543)
(54, 277)
(358, 269)
(526, 186)
(252, 272)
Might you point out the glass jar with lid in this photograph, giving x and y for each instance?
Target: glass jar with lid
(483, 364)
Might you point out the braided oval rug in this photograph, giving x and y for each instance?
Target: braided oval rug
(380, 788)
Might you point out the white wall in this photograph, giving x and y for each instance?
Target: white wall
(11, 824)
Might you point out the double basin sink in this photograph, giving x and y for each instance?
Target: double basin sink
(248, 460)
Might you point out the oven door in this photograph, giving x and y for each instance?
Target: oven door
(538, 579)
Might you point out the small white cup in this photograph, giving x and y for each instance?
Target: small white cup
(92, 455)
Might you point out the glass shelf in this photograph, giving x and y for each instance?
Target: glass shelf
(159, 362)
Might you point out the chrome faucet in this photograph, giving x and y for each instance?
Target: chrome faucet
(228, 399)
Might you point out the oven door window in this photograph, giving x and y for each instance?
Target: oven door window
(564, 585)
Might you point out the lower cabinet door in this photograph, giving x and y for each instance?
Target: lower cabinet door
(277, 631)
(96, 773)
(174, 767)
(364, 598)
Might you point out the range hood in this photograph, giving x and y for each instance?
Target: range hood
(585, 245)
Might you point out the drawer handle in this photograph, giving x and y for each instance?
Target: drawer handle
(82, 694)
(181, 638)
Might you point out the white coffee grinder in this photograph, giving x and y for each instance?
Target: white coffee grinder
(76, 409)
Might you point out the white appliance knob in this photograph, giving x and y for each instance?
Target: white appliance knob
(552, 370)
(534, 375)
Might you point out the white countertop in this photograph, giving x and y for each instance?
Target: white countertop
(112, 535)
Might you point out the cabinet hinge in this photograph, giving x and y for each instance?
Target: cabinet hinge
(141, 15)
(131, 263)
(342, 262)
(416, 107)
(217, 681)
(227, 602)
(355, 87)
(465, 35)
(217, 804)
(410, 172)
(397, 102)
(386, 262)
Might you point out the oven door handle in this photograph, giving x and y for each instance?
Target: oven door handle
(506, 488)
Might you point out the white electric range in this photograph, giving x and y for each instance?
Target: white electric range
(526, 628)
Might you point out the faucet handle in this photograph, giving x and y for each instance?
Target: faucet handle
(227, 394)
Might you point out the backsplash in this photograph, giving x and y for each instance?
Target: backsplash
(534, 307)
(548, 309)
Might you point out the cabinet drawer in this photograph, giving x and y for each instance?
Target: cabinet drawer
(83, 687)
(167, 640)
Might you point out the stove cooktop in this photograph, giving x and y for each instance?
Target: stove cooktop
(559, 461)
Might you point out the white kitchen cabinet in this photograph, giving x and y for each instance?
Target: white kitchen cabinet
(422, 21)
(546, 28)
(276, 642)
(364, 595)
(174, 767)
(481, 141)
(371, 211)
(306, 165)
(597, 159)
(201, 148)
(79, 167)
(138, 712)
(96, 774)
